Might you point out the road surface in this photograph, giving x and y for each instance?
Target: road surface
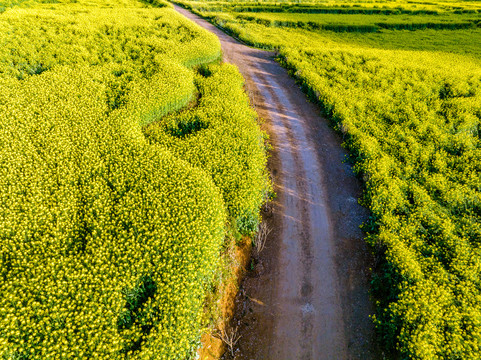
(307, 297)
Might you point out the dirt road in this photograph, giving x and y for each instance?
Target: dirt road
(307, 295)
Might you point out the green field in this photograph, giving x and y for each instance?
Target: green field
(401, 82)
(129, 154)
(120, 134)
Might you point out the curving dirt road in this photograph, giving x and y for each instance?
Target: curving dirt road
(307, 295)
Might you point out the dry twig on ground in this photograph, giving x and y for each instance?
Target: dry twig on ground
(261, 237)
(230, 338)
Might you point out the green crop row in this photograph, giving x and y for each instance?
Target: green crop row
(35, 39)
(412, 123)
(361, 24)
(109, 240)
(364, 28)
(299, 9)
(389, 7)
(206, 136)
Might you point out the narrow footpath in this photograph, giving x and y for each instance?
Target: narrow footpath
(307, 297)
